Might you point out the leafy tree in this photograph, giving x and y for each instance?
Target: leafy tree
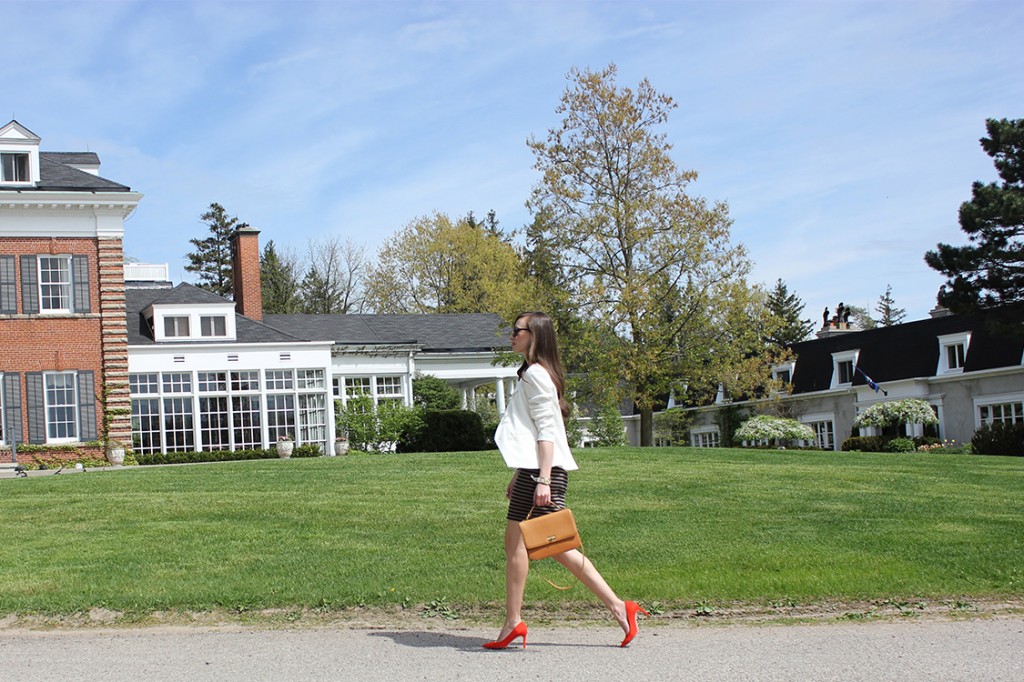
(989, 272)
(649, 266)
(861, 318)
(788, 308)
(280, 281)
(211, 260)
(333, 284)
(886, 307)
(607, 427)
(433, 393)
(433, 265)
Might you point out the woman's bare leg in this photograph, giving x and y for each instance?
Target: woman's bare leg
(584, 569)
(517, 565)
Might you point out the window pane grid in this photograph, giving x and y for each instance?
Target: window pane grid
(245, 413)
(54, 283)
(146, 425)
(280, 416)
(61, 407)
(214, 424)
(280, 379)
(179, 426)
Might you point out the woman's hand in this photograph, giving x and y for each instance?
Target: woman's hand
(510, 486)
(542, 495)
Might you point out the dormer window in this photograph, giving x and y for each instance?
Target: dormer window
(14, 167)
(213, 325)
(176, 326)
(843, 366)
(953, 353)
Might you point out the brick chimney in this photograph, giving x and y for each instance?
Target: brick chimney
(245, 272)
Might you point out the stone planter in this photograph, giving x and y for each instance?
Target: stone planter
(115, 455)
(284, 448)
(340, 447)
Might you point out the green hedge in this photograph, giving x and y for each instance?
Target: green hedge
(864, 444)
(999, 439)
(446, 431)
(309, 450)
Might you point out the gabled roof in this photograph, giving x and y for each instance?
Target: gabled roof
(903, 351)
(437, 333)
(183, 294)
(138, 300)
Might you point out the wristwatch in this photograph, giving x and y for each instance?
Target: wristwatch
(543, 480)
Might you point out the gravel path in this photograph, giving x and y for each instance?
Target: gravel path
(948, 650)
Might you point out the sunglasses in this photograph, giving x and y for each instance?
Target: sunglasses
(516, 330)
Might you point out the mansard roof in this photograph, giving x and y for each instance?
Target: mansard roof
(903, 351)
(437, 333)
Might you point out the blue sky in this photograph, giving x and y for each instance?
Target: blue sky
(843, 135)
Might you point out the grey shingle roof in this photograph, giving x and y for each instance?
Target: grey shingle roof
(137, 300)
(55, 174)
(437, 333)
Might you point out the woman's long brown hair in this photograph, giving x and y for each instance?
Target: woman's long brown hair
(543, 351)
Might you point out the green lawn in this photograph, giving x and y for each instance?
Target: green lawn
(679, 526)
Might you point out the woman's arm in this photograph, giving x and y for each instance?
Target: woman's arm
(545, 456)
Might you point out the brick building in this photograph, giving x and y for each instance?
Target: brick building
(63, 342)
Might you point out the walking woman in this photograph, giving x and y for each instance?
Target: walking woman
(532, 440)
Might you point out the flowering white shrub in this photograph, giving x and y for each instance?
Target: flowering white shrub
(893, 412)
(766, 428)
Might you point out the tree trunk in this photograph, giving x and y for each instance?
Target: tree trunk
(646, 427)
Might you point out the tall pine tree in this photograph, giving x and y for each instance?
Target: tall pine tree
(887, 309)
(211, 260)
(989, 272)
(788, 308)
(280, 281)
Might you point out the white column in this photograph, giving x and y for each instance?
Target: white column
(499, 392)
(465, 398)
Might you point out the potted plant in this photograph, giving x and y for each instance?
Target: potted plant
(285, 445)
(341, 445)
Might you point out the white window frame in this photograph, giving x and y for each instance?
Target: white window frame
(990, 400)
(73, 405)
(814, 420)
(702, 437)
(850, 356)
(785, 368)
(4, 180)
(3, 413)
(948, 342)
(178, 334)
(208, 326)
(65, 286)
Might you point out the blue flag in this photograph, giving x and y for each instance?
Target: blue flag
(871, 383)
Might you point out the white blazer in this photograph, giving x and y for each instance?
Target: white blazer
(533, 415)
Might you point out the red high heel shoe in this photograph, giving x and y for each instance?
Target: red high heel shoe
(631, 608)
(518, 631)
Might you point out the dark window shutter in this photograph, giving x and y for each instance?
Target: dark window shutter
(29, 285)
(80, 284)
(12, 408)
(8, 286)
(34, 392)
(86, 406)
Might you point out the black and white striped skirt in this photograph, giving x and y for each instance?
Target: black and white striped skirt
(522, 494)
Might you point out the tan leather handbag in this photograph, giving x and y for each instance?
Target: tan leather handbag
(550, 534)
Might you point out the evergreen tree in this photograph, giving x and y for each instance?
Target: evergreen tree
(280, 281)
(886, 307)
(787, 308)
(211, 260)
(989, 272)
